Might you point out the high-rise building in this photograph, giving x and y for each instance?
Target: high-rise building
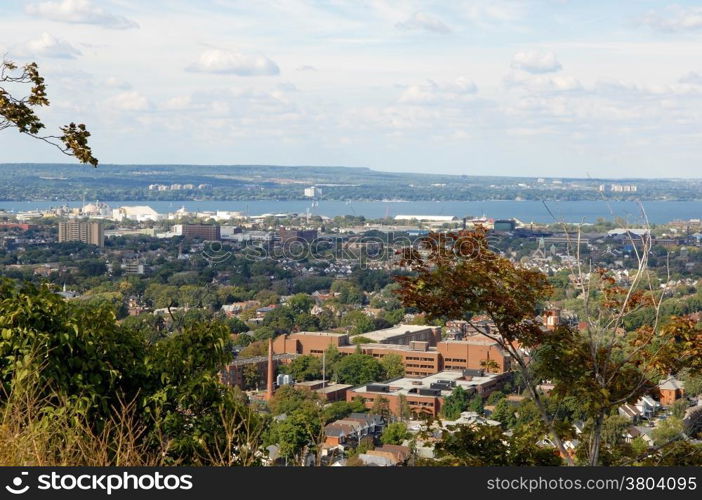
(90, 232)
(207, 232)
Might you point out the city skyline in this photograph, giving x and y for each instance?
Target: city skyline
(532, 88)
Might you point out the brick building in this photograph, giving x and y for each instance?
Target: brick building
(329, 391)
(207, 232)
(417, 359)
(233, 373)
(314, 343)
(425, 396)
(90, 232)
(22, 226)
(420, 348)
(670, 390)
(473, 353)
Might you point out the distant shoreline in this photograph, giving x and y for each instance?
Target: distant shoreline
(588, 211)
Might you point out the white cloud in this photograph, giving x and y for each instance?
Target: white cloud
(424, 21)
(116, 83)
(129, 101)
(677, 19)
(536, 62)
(79, 12)
(499, 10)
(46, 46)
(225, 62)
(178, 103)
(542, 83)
(432, 93)
(692, 78)
(306, 67)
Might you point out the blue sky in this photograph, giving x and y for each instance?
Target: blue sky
(507, 87)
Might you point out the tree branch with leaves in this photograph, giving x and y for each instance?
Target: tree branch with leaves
(20, 112)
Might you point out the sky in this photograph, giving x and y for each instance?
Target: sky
(503, 87)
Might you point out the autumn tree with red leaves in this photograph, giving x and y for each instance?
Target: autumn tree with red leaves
(457, 276)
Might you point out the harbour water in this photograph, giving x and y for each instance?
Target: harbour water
(657, 212)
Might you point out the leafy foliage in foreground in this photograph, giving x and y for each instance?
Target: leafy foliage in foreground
(84, 364)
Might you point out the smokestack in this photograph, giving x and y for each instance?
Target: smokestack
(269, 385)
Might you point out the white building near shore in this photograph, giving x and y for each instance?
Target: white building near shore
(139, 213)
(428, 218)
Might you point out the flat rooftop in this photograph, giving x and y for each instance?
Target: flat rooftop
(395, 331)
(319, 334)
(328, 387)
(390, 347)
(334, 388)
(472, 340)
(404, 385)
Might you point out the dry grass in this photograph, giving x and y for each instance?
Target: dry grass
(37, 432)
(34, 432)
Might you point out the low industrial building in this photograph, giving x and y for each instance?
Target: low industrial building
(425, 396)
(308, 342)
(330, 392)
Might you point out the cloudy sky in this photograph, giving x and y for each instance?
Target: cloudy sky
(550, 87)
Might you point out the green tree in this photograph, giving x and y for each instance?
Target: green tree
(300, 303)
(504, 413)
(280, 320)
(358, 369)
(381, 407)
(267, 297)
(287, 399)
(613, 429)
(476, 404)
(71, 349)
(495, 397)
(485, 445)
(693, 382)
(393, 366)
(395, 433)
(348, 292)
(405, 412)
(253, 350)
(338, 410)
(455, 403)
(670, 429)
(251, 376)
(236, 325)
(358, 321)
(331, 357)
(301, 431)
(306, 367)
(679, 408)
